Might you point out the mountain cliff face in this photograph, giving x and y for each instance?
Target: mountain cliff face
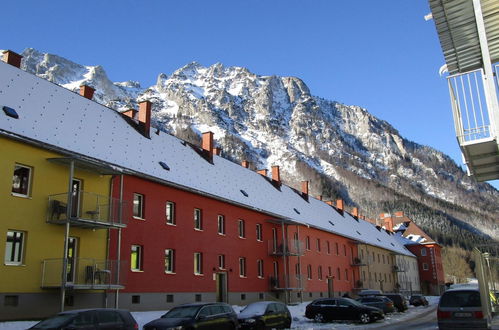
(345, 151)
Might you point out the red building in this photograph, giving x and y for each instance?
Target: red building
(427, 251)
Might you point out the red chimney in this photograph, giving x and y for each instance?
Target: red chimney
(12, 58)
(339, 205)
(217, 151)
(207, 143)
(304, 188)
(262, 172)
(276, 176)
(87, 91)
(145, 115)
(130, 113)
(245, 164)
(329, 203)
(389, 224)
(355, 212)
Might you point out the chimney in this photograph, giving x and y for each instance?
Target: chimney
(339, 205)
(12, 58)
(207, 143)
(329, 203)
(355, 212)
(217, 151)
(388, 224)
(304, 188)
(399, 214)
(87, 91)
(130, 113)
(276, 176)
(262, 172)
(245, 164)
(319, 197)
(145, 116)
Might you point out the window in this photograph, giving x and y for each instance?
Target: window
(221, 261)
(338, 273)
(274, 240)
(425, 266)
(328, 247)
(423, 252)
(170, 213)
(221, 224)
(169, 261)
(337, 250)
(309, 272)
(169, 298)
(329, 271)
(138, 206)
(259, 236)
(21, 180)
(344, 250)
(346, 274)
(198, 263)
(241, 229)
(242, 267)
(297, 270)
(198, 220)
(318, 245)
(136, 258)
(383, 258)
(135, 299)
(259, 266)
(14, 247)
(307, 242)
(319, 272)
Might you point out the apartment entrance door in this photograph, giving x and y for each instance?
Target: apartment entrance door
(222, 294)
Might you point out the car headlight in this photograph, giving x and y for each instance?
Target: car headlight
(250, 320)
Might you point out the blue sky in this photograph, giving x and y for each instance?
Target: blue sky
(381, 55)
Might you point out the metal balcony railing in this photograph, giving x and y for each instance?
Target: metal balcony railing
(291, 248)
(85, 273)
(88, 210)
(469, 106)
(398, 269)
(288, 282)
(358, 262)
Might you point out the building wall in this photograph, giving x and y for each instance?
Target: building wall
(378, 272)
(408, 277)
(29, 214)
(430, 267)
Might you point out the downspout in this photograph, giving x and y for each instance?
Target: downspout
(66, 235)
(284, 258)
(118, 253)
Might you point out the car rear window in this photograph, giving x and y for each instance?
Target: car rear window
(460, 299)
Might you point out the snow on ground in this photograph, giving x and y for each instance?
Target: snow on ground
(297, 311)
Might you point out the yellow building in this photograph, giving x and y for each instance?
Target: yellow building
(377, 270)
(56, 215)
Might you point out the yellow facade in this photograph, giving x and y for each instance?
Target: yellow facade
(377, 272)
(42, 240)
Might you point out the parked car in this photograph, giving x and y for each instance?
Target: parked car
(461, 308)
(418, 300)
(99, 318)
(369, 292)
(399, 301)
(328, 309)
(265, 314)
(382, 302)
(196, 316)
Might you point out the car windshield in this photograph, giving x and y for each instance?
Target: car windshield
(54, 322)
(254, 309)
(461, 299)
(182, 312)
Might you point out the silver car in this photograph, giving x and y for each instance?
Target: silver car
(461, 308)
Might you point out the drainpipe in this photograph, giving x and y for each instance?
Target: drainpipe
(118, 253)
(285, 270)
(66, 235)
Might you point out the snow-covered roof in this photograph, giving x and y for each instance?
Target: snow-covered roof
(63, 119)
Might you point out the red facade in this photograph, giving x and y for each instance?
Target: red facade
(431, 272)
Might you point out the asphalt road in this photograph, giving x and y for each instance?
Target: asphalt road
(423, 321)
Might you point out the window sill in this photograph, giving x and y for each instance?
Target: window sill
(242, 237)
(198, 274)
(170, 273)
(14, 264)
(197, 229)
(220, 234)
(260, 277)
(243, 276)
(171, 224)
(137, 270)
(260, 240)
(139, 218)
(20, 195)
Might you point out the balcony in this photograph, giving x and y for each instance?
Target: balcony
(398, 269)
(89, 210)
(293, 283)
(357, 262)
(476, 122)
(293, 248)
(85, 274)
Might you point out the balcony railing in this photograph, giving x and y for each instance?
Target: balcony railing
(88, 210)
(358, 262)
(288, 282)
(292, 248)
(398, 269)
(469, 107)
(85, 274)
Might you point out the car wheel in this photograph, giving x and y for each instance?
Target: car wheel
(364, 318)
(319, 318)
(287, 324)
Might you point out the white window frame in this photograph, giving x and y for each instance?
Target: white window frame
(241, 228)
(139, 251)
(28, 188)
(170, 261)
(242, 267)
(259, 232)
(140, 208)
(259, 267)
(198, 263)
(170, 213)
(309, 272)
(425, 266)
(221, 261)
(198, 219)
(319, 273)
(221, 224)
(15, 247)
(318, 244)
(423, 252)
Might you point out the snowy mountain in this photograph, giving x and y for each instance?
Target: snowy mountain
(343, 150)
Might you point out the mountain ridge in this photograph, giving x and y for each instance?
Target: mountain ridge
(344, 150)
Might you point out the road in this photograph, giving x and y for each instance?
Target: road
(423, 321)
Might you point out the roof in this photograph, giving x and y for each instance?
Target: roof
(58, 118)
(458, 33)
